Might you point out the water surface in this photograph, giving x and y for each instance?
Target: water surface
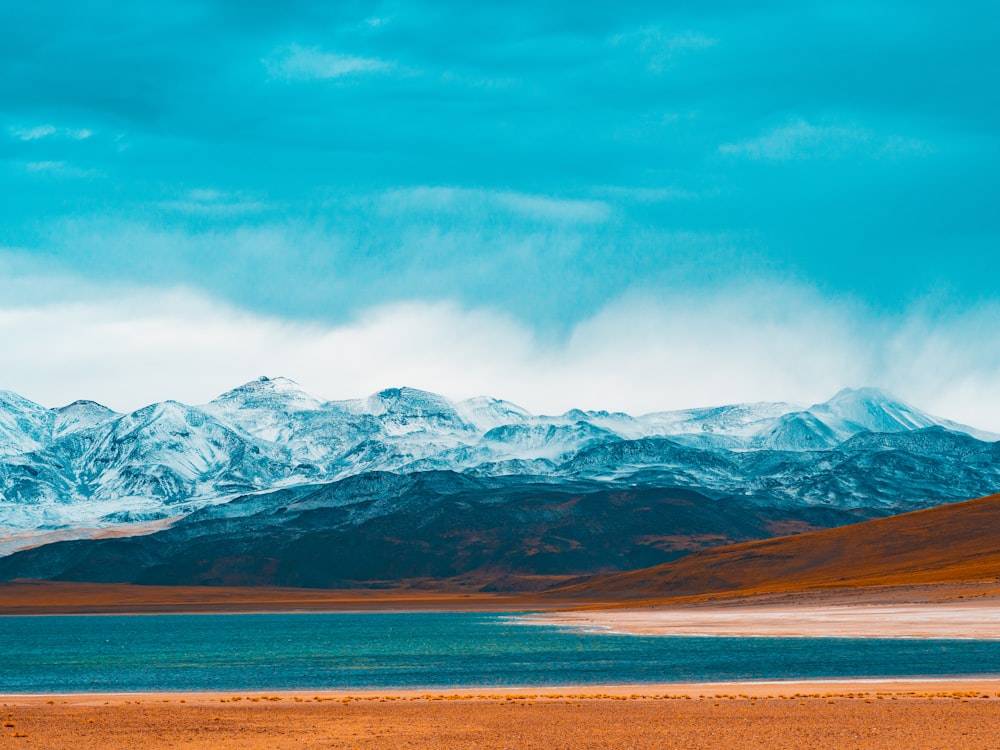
(425, 650)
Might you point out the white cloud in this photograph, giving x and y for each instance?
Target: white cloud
(127, 347)
(45, 166)
(59, 168)
(800, 139)
(212, 202)
(653, 195)
(308, 63)
(543, 207)
(45, 131)
(33, 134)
(464, 200)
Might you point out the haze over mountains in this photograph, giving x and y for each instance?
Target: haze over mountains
(267, 484)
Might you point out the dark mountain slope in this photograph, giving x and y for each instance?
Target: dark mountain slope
(956, 542)
(380, 528)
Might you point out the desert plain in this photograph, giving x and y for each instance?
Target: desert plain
(921, 714)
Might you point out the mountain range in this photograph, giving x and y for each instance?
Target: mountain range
(267, 484)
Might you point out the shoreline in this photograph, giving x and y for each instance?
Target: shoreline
(968, 619)
(57, 598)
(962, 611)
(431, 608)
(761, 688)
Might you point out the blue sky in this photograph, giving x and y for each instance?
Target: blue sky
(315, 166)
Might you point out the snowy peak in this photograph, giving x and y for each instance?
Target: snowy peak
(164, 417)
(267, 408)
(731, 420)
(273, 394)
(413, 407)
(168, 449)
(15, 403)
(874, 410)
(801, 431)
(851, 412)
(24, 425)
(486, 413)
(410, 402)
(79, 416)
(550, 441)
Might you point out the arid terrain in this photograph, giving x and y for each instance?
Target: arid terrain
(932, 573)
(773, 716)
(58, 597)
(948, 544)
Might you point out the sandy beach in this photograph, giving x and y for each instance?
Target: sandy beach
(965, 619)
(924, 714)
(952, 610)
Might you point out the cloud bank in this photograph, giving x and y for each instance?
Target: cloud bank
(761, 341)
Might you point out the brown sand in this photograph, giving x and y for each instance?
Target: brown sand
(35, 597)
(30, 597)
(969, 610)
(953, 714)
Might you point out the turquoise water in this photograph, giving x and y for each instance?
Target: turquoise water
(424, 650)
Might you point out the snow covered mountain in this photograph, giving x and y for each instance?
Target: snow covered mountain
(83, 467)
(849, 413)
(24, 426)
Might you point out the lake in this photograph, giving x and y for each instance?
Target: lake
(313, 651)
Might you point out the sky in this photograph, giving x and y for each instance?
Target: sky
(630, 205)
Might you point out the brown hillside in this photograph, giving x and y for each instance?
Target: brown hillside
(946, 544)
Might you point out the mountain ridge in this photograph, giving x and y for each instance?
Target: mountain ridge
(82, 468)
